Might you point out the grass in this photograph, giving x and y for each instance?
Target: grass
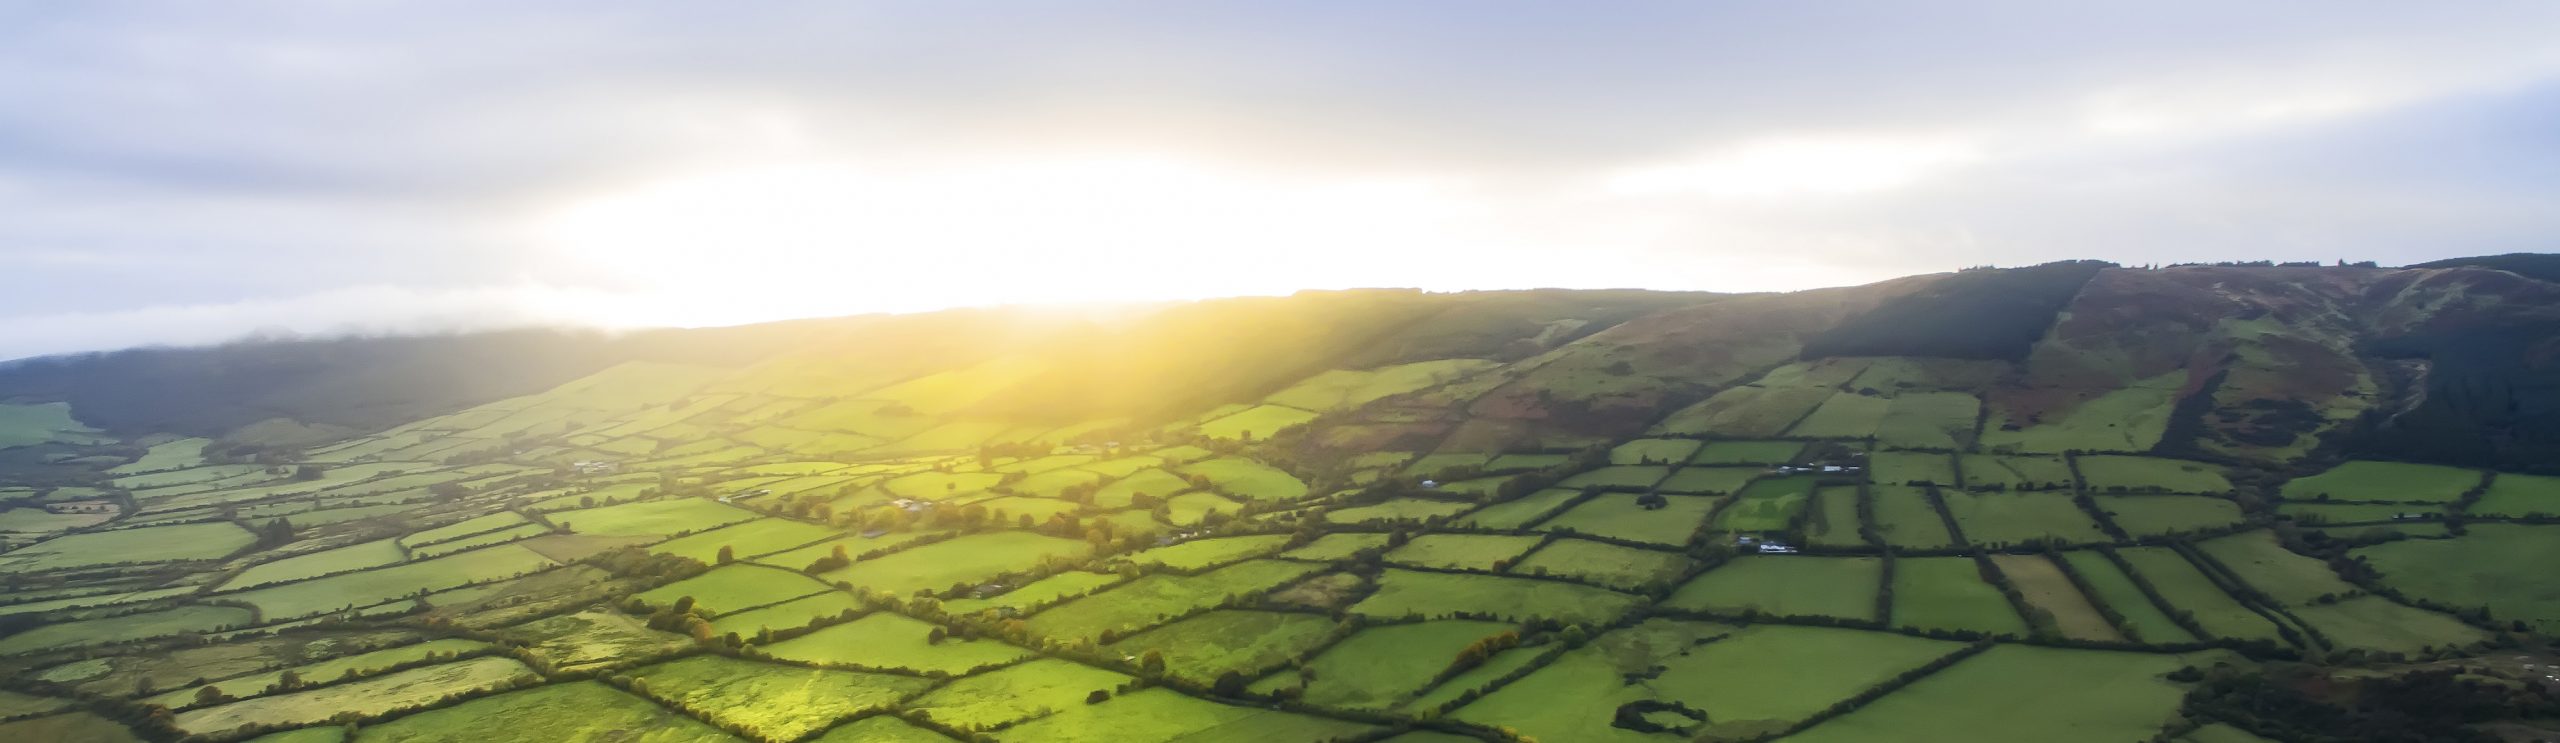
(148, 544)
(2109, 473)
(1748, 452)
(1710, 480)
(1752, 411)
(1613, 566)
(1378, 667)
(2361, 481)
(1521, 511)
(1843, 416)
(1016, 693)
(773, 701)
(69, 726)
(886, 640)
(1159, 714)
(2502, 567)
(1396, 509)
(1346, 388)
(572, 712)
(2147, 622)
(1787, 586)
(1616, 515)
(748, 539)
(1929, 420)
(1769, 504)
(2008, 693)
(464, 528)
(1987, 471)
(179, 621)
(1042, 592)
(2356, 513)
(324, 671)
(594, 638)
(880, 729)
(2288, 577)
(1338, 546)
(1248, 479)
(2017, 518)
(2375, 623)
(1201, 554)
(1619, 477)
(1149, 481)
(1257, 422)
(2190, 591)
(2146, 515)
(367, 697)
(2519, 495)
(1150, 600)
(1949, 593)
(786, 615)
(351, 557)
(369, 587)
(1215, 643)
(2047, 590)
(1834, 521)
(1654, 451)
(959, 561)
(796, 559)
(1906, 467)
(501, 536)
(27, 424)
(1463, 551)
(2126, 419)
(730, 588)
(1905, 518)
(1406, 593)
(651, 518)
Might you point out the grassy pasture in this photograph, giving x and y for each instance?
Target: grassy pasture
(2048, 590)
(1148, 481)
(2362, 481)
(502, 536)
(1054, 483)
(1787, 585)
(1396, 509)
(572, 712)
(148, 544)
(786, 615)
(1769, 504)
(855, 545)
(2375, 623)
(2119, 593)
(887, 640)
(1710, 480)
(1225, 641)
(2016, 472)
(1200, 554)
(69, 726)
(1623, 568)
(356, 556)
(2503, 567)
(1617, 516)
(1462, 551)
(464, 528)
(165, 456)
(2189, 590)
(1747, 452)
(33, 522)
(747, 539)
(1905, 518)
(940, 486)
(1159, 714)
(1337, 546)
(2519, 495)
(364, 697)
(1257, 422)
(1949, 593)
(2014, 518)
(2316, 513)
(1379, 666)
(1619, 477)
(1525, 462)
(1406, 593)
(1905, 467)
(369, 587)
(2112, 696)
(1015, 693)
(1344, 388)
(1042, 592)
(1519, 512)
(1192, 508)
(2128, 419)
(2144, 515)
(1753, 411)
(2108, 472)
(1834, 521)
(1245, 478)
(1843, 416)
(730, 588)
(1654, 451)
(651, 518)
(774, 701)
(1929, 420)
(1150, 600)
(28, 424)
(880, 729)
(120, 628)
(960, 560)
(594, 638)
(2290, 578)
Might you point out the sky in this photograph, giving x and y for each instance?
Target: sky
(182, 173)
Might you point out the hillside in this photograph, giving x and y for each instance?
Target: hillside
(2227, 503)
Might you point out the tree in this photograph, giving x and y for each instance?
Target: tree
(1152, 663)
(727, 555)
(309, 472)
(210, 695)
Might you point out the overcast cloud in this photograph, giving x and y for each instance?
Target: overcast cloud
(192, 172)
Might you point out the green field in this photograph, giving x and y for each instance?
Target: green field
(1746, 411)
(1159, 714)
(1768, 505)
(351, 557)
(1397, 509)
(578, 711)
(183, 620)
(2189, 590)
(962, 560)
(1609, 565)
(769, 700)
(367, 697)
(1257, 422)
(2375, 623)
(27, 424)
(1619, 477)
(732, 588)
(1215, 643)
(1338, 546)
(2290, 578)
(2107, 473)
(2050, 593)
(1406, 593)
(1908, 467)
(366, 588)
(1834, 518)
(747, 540)
(1747, 452)
(1985, 471)
(2112, 696)
(1843, 416)
(1654, 451)
(786, 615)
(1710, 480)
(2144, 618)
(1150, 600)
(650, 518)
(2361, 481)
(1463, 551)
(2126, 419)
(1202, 554)
(2503, 567)
(121, 546)
(1787, 585)
(2519, 495)
(1015, 693)
(1379, 666)
(1905, 518)
(1949, 593)
(1618, 516)
(1247, 479)
(1994, 519)
(327, 670)
(1929, 420)
(1521, 511)
(884, 640)
(2145, 515)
